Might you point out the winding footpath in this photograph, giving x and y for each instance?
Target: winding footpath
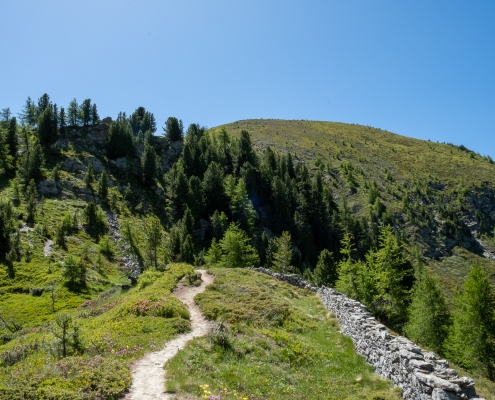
(148, 380)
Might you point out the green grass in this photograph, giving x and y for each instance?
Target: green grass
(112, 334)
(279, 342)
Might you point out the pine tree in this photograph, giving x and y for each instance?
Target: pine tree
(153, 232)
(196, 198)
(282, 258)
(150, 163)
(11, 138)
(86, 112)
(95, 118)
(31, 202)
(120, 142)
(47, 126)
(214, 254)
(62, 122)
(103, 185)
(177, 186)
(428, 315)
(236, 250)
(219, 224)
(471, 342)
(43, 103)
(242, 209)
(28, 114)
(213, 187)
(173, 130)
(325, 272)
(90, 176)
(73, 113)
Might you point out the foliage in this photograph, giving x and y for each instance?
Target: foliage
(325, 272)
(428, 315)
(471, 342)
(120, 138)
(236, 250)
(282, 257)
(173, 129)
(266, 329)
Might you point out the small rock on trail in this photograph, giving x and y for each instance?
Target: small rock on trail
(148, 381)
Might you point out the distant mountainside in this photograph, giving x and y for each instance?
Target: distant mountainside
(441, 196)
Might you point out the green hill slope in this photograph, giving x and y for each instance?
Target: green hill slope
(440, 196)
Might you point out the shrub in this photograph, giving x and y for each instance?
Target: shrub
(147, 278)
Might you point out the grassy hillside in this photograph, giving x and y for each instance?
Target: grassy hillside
(273, 341)
(374, 150)
(440, 196)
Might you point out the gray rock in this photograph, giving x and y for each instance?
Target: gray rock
(72, 165)
(439, 394)
(464, 382)
(48, 188)
(436, 382)
(97, 165)
(421, 365)
(120, 163)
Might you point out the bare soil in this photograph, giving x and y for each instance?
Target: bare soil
(148, 380)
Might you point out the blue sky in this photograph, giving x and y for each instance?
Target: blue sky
(422, 69)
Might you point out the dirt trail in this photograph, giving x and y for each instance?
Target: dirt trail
(148, 380)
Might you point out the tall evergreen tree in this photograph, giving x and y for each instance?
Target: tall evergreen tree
(150, 163)
(95, 118)
(471, 342)
(43, 103)
(47, 126)
(237, 252)
(120, 142)
(62, 120)
(325, 272)
(86, 112)
(103, 185)
(173, 130)
(282, 258)
(428, 315)
(28, 114)
(213, 188)
(73, 113)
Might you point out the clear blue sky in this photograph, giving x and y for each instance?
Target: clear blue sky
(424, 69)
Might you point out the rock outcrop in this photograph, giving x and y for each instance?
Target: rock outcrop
(421, 374)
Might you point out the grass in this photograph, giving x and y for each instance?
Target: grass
(429, 174)
(113, 334)
(274, 341)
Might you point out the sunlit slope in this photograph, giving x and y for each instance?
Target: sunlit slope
(374, 150)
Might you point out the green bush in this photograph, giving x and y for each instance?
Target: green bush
(148, 277)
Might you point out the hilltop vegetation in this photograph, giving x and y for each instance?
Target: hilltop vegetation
(89, 207)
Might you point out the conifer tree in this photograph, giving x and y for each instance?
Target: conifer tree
(120, 142)
(471, 342)
(62, 120)
(103, 185)
(11, 138)
(325, 272)
(173, 129)
(90, 176)
(47, 125)
(282, 258)
(73, 113)
(195, 197)
(31, 200)
(428, 315)
(214, 254)
(219, 224)
(237, 252)
(95, 118)
(86, 112)
(153, 232)
(150, 163)
(28, 114)
(43, 103)
(213, 187)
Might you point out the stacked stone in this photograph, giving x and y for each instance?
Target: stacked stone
(420, 374)
(293, 279)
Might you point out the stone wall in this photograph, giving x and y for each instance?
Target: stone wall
(420, 374)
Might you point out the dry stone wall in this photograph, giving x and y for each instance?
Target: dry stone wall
(421, 374)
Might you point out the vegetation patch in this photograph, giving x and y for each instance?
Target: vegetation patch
(272, 341)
